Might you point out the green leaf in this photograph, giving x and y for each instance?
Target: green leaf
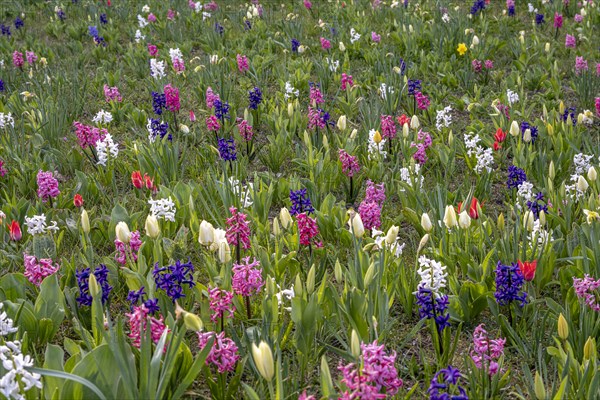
(70, 377)
(194, 370)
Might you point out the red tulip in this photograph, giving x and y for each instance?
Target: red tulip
(14, 230)
(528, 269)
(149, 182)
(473, 213)
(403, 119)
(497, 146)
(192, 116)
(136, 179)
(500, 136)
(78, 200)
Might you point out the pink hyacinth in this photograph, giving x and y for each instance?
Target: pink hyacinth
(247, 277)
(325, 44)
(112, 94)
(245, 130)
(586, 289)
(242, 62)
(170, 15)
(18, 59)
(597, 69)
(138, 323)
(370, 213)
(178, 65)
(477, 66)
(135, 242)
(388, 127)
(307, 229)
(2, 168)
(212, 123)
(314, 119)
(486, 351)
(375, 37)
(581, 65)
(578, 18)
(152, 50)
(307, 4)
(597, 104)
(31, 57)
(47, 186)
(211, 97)
(238, 229)
(223, 353)
(374, 193)
(570, 41)
(422, 101)
(347, 81)
(350, 164)
(151, 17)
(88, 135)
(304, 396)
(558, 20)
(37, 270)
(316, 97)
(489, 64)
(172, 98)
(212, 6)
(374, 377)
(221, 304)
(424, 140)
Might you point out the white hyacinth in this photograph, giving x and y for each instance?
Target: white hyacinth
(582, 163)
(290, 91)
(333, 64)
(409, 176)
(157, 68)
(395, 248)
(138, 36)
(443, 118)
(384, 90)
(36, 225)
(375, 147)
(103, 117)
(484, 156)
(433, 275)
(354, 36)
(142, 21)
(513, 97)
(163, 208)
(104, 147)
(244, 192)
(6, 120)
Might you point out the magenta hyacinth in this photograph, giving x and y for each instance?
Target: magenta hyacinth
(152, 50)
(221, 304)
(370, 213)
(388, 127)
(132, 248)
(307, 229)
(36, 270)
(597, 104)
(247, 277)
(314, 119)
(350, 164)
(424, 142)
(88, 135)
(422, 101)
(489, 64)
(486, 351)
(374, 377)
(31, 57)
(316, 97)
(172, 98)
(18, 60)
(242, 63)
(112, 94)
(347, 81)
(374, 193)
(375, 37)
(245, 130)
(558, 20)
(325, 44)
(212, 123)
(138, 323)
(570, 41)
(47, 186)
(586, 289)
(238, 229)
(223, 353)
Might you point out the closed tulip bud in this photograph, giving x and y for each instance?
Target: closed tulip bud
(337, 271)
(528, 221)
(551, 172)
(475, 41)
(353, 134)
(522, 39)
(191, 321)
(539, 388)
(450, 139)
(285, 217)
(341, 124)
(122, 232)
(561, 107)
(501, 222)
(589, 348)
(325, 142)
(301, 49)
(290, 110)
(342, 47)
(206, 235)
(392, 235)
(580, 118)
(224, 252)
(355, 344)
(423, 242)
(93, 286)
(369, 275)
(542, 218)
(426, 222)
(263, 359)
(310, 280)
(214, 59)
(151, 226)
(377, 137)
(356, 225)
(527, 136)
(592, 174)
(414, 122)
(514, 128)
(85, 221)
(410, 28)
(184, 128)
(464, 220)
(547, 47)
(450, 217)
(582, 184)
(563, 327)
(276, 228)
(405, 131)
(298, 286)
(397, 70)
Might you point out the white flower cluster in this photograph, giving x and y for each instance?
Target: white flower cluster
(142, 21)
(396, 248)
(157, 68)
(333, 64)
(374, 147)
(384, 90)
(582, 163)
(409, 177)
(36, 225)
(290, 91)
(244, 192)
(574, 191)
(104, 147)
(485, 157)
(197, 6)
(17, 378)
(163, 208)
(354, 36)
(284, 295)
(103, 117)
(525, 191)
(139, 36)
(433, 275)
(531, 8)
(6, 120)
(175, 54)
(512, 97)
(539, 236)
(446, 18)
(443, 118)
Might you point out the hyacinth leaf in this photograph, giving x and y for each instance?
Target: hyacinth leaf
(326, 382)
(250, 392)
(50, 304)
(71, 377)
(194, 370)
(118, 214)
(53, 360)
(13, 286)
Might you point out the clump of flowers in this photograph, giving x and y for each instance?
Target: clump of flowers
(242, 63)
(112, 94)
(47, 186)
(373, 376)
(171, 278)
(254, 98)
(370, 208)
(223, 353)
(445, 385)
(516, 176)
(300, 202)
(131, 248)
(36, 270)
(586, 290)
(221, 304)
(486, 352)
(432, 303)
(423, 143)
(350, 164)
(238, 229)
(247, 277)
(307, 228)
(347, 81)
(509, 284)
(163, 209)
(83, 276)
(140, 320)
(227, 149)
(388, 127)
(88, 135)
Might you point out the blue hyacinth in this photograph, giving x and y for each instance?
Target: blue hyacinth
(444, 385)
(221, 109)
(516, 176)
(300, 202)
(159, 101)
(413, 86)
(227, 149)
(159, 128)
(509, 284)
(171, 278)
(295, 45)
(83, 276)
(432, 307)
(255, 98)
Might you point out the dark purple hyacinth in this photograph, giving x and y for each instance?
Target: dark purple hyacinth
(570, 112)
(247, 25)
(516, 176)
(255, 98)
(227, 149)
(537, 204)
(402, 66)
(221, 110)
(103, 19)
(478, 5)
(444, 385)
(511, 10)
(431, 307)
(93, 31)
(414, 86)
(509, 284)
(159, 128)
(172, 278)
(2, 87)
(83, 276)
(295, 45)
(300, 202)
(159, 101)
(61, 14)
(134, 297)
(532, 128)
(19, 23)
(219, 28)
(5, 30)
(539, 19)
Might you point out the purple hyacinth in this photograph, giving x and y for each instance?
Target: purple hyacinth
(537, 204)
(586, 289)
(375, 192)
(444, 385)
(221, 304)
(539, 19)
(432, 307)
(159, 101)
(295, 45)
(47, 186)
(255, 98)
(227, 149)
(223, 353)
(247, 277)
(516, 176)
(221, 110)
(159, 128)
(570, 112)
(172, 278)
(478, 5)
(300, 202)
(83, 276)
(509, 284)
(413, 86)
(134, 297)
